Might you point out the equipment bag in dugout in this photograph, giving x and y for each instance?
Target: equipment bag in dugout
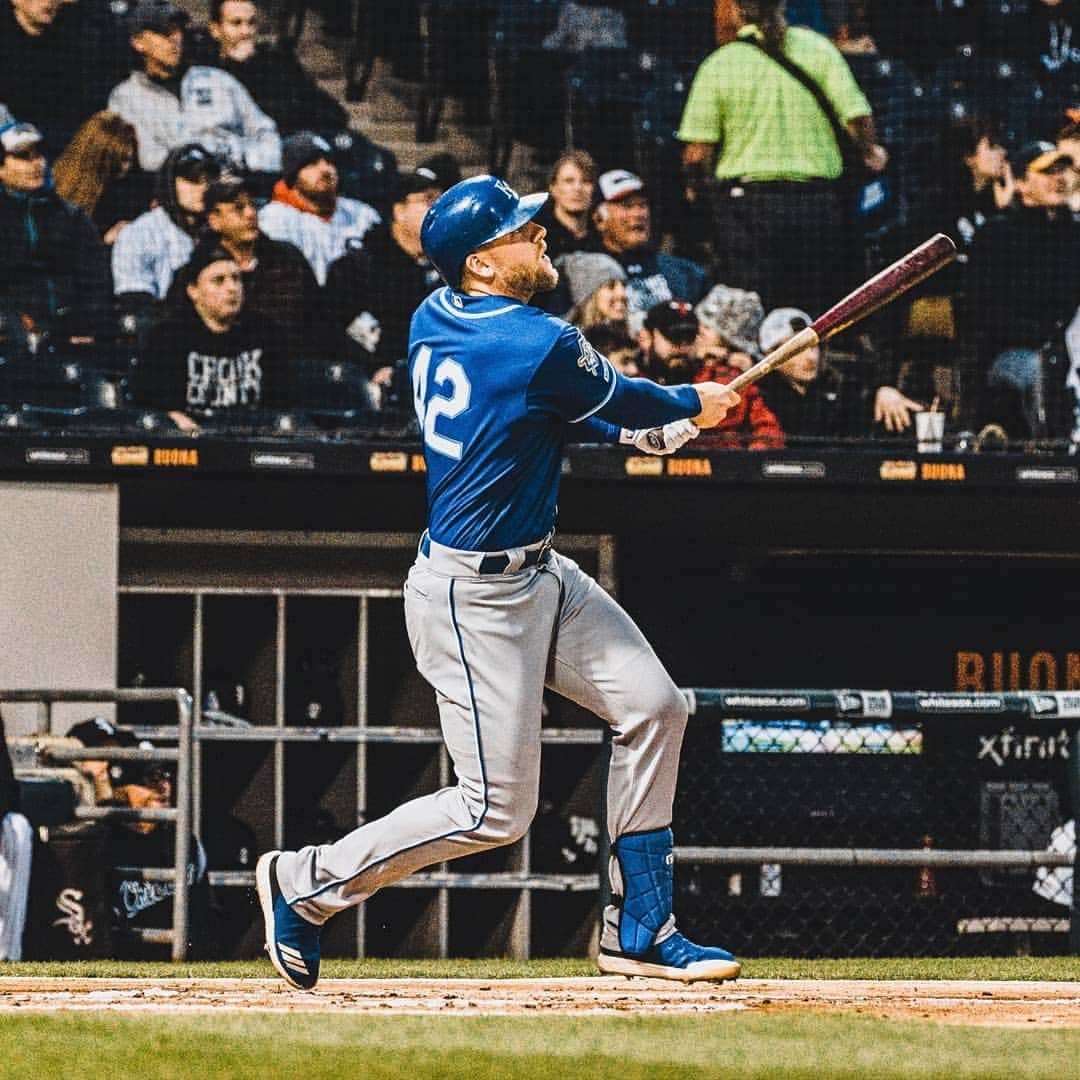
(68, 917)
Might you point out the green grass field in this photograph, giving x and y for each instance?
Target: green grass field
(746, 1044)
(1042, 968)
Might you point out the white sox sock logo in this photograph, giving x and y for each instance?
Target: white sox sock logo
(69, 901)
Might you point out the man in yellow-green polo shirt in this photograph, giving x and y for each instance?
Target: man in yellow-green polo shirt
(772, 152)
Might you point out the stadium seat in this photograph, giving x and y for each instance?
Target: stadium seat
(440, 26)
(657, 152)
(999, 89)
(516, 60)
(904, 110)
(333, 394)
(360, 58)
(683, 31)
(603, 86)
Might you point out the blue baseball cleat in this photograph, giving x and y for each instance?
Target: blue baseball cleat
(638, 935)
(291, 941)
(676, 957)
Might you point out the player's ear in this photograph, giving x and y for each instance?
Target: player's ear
(600, 213)
(479, 266)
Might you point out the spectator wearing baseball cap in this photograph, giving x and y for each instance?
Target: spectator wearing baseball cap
(170, 105)
(208, 360)
(1023, 284)
(669, 355)
(809, 396)
(307, 208)
(279, 285)
(55, 269)
(135, 904)
(623, 220)
(373, 290)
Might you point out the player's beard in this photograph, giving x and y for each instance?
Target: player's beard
(541, 276)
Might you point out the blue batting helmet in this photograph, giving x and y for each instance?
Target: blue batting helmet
(469, 215)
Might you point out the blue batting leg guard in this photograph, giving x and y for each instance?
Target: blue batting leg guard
(639, 935)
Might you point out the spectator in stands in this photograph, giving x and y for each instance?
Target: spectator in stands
(1024, 280)
(372, 291)
(809, 396)
(137, 904)
(170, 106)
(623, 220)
(272, 75)
(1046, 35)
(207, 359)
(291, 97)
(54, 269)
(156, 244)
(728, 323)
(307, 209)
(971, 183)
(94, 173)
(761, 142)
(668, 343)
(278, 282)
(16, 849)
(613, 340)
(47, 72)
(567, 215)
(1068, 141)
(596, 285)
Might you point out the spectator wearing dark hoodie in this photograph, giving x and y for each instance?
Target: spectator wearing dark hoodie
(150, 250)
(209, 358)
(54, 268)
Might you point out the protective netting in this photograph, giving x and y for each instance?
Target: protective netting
(866, 827)
(147, 311)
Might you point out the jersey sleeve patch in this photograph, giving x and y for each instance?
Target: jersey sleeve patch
(573, 380)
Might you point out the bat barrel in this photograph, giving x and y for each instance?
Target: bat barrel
(917, 265)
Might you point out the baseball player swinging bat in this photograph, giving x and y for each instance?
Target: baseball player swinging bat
(885, 286)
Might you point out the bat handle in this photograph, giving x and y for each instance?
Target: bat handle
(806, 338)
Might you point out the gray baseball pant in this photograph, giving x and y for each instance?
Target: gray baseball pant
(489, 644)
(16, 851)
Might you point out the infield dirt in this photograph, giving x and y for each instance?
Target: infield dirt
(1019, 1004)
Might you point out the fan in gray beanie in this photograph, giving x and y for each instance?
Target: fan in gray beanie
(585, 271)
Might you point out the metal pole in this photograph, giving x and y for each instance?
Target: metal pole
(1074, 792)
(183, 824)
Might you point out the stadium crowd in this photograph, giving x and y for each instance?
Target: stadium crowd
(197, 240)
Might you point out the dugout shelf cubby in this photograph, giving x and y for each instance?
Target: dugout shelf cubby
(300, 637)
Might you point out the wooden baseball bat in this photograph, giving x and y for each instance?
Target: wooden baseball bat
(886, 285)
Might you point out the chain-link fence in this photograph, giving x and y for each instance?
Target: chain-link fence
(211, 219)
(838, 823)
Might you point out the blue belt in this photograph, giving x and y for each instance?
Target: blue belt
(497, 562)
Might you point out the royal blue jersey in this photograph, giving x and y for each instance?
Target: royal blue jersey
(495, 383)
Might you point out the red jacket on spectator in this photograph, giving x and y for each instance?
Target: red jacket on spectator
(751, 424)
